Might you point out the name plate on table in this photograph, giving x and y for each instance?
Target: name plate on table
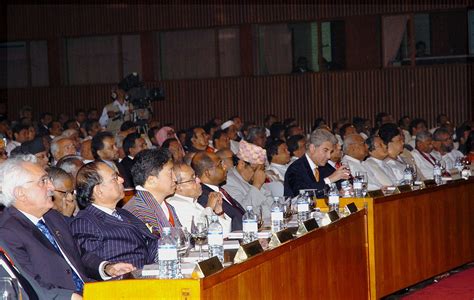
(376, 194)
(351, 208)
(329, 218)
(280, 237)
(404, 188)
(429, 183)
(248, 250)
(207, 267)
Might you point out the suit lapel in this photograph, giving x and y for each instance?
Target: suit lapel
(307, 167)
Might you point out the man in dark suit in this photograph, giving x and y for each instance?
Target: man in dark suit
(111, 233)
(312, 171)
(38, 237)
(104, 149)
(211, 171)
(132, 145)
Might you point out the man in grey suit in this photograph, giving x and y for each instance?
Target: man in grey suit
(38, 237)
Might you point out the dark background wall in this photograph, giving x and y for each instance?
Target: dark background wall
(364, 90)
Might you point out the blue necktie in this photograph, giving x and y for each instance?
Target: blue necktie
(44, 229)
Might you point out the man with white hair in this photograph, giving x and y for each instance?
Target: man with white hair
(62, 146)
(39, 237)
(312, 171)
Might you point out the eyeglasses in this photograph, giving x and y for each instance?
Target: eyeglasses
(115, 177)
(193, 179)
(42, 181)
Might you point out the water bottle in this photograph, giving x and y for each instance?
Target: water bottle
(458, 164)
(334, 198)
(215, 237)
(276, 215)
(408, 175)
(168, 264)
(437, 172)
(249, 225)
(303, 206)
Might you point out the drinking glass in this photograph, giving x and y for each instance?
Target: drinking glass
(360, 178)
(199, 233)
(8, 288)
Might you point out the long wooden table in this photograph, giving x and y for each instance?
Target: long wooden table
(327, 263)
(417, 235)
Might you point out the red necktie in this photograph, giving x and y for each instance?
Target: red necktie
(231, 200)
(171, 219)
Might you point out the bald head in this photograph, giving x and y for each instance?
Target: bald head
(355, 146)
(209, 168)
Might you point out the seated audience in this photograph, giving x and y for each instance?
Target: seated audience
(64, 197)
(37, 148)
(174, 147)
(443, 148)
(154, 178)
(312, 171)
(60, 147)
(110, 233)
(296, 146)
(227, 157)
(104, 149)
(378, 172)
(391, 136)
(245, 181)
(71, 164)
(279, 157)
(212, 173)
(422, 153)
(38, 236)
(132, 145)
(220, 140)
(184, 201)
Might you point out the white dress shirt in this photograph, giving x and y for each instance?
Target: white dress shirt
(276, 172)
(397, 166)
(186, 208)
(425, 163)
(356, 166)
(449, 158)
(379, 172)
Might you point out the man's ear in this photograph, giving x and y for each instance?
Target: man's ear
(311, 148)
(19, 193)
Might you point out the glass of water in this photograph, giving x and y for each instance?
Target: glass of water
(360, 184)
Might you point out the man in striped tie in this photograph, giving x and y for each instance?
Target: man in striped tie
(38, 236)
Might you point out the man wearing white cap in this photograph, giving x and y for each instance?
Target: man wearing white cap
(245, 181)
(231, 129)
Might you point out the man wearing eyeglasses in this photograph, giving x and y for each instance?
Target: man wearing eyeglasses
(443, 148)
(184, 201)
(38, 237)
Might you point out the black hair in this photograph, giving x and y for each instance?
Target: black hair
(272, 148)
(97, 143)
(217, 135)
(343, 129)
(88, 125)
(149, 162)
(19, 127)
(129, 142)
(414, 123)
(87, 178)
(201, 162)
(68, 122)
(292, 143)
(388, 131)
(370, 141)
(189, 135)
(127, 125)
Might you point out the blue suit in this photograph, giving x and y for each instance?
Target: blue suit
(37, 256)
(127, 240)
(299, 176)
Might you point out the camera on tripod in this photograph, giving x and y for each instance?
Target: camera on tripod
(139, 96)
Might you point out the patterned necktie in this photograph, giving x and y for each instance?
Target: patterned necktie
(44, 229)
(231, 200)
(117, 215)
(316, 174)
